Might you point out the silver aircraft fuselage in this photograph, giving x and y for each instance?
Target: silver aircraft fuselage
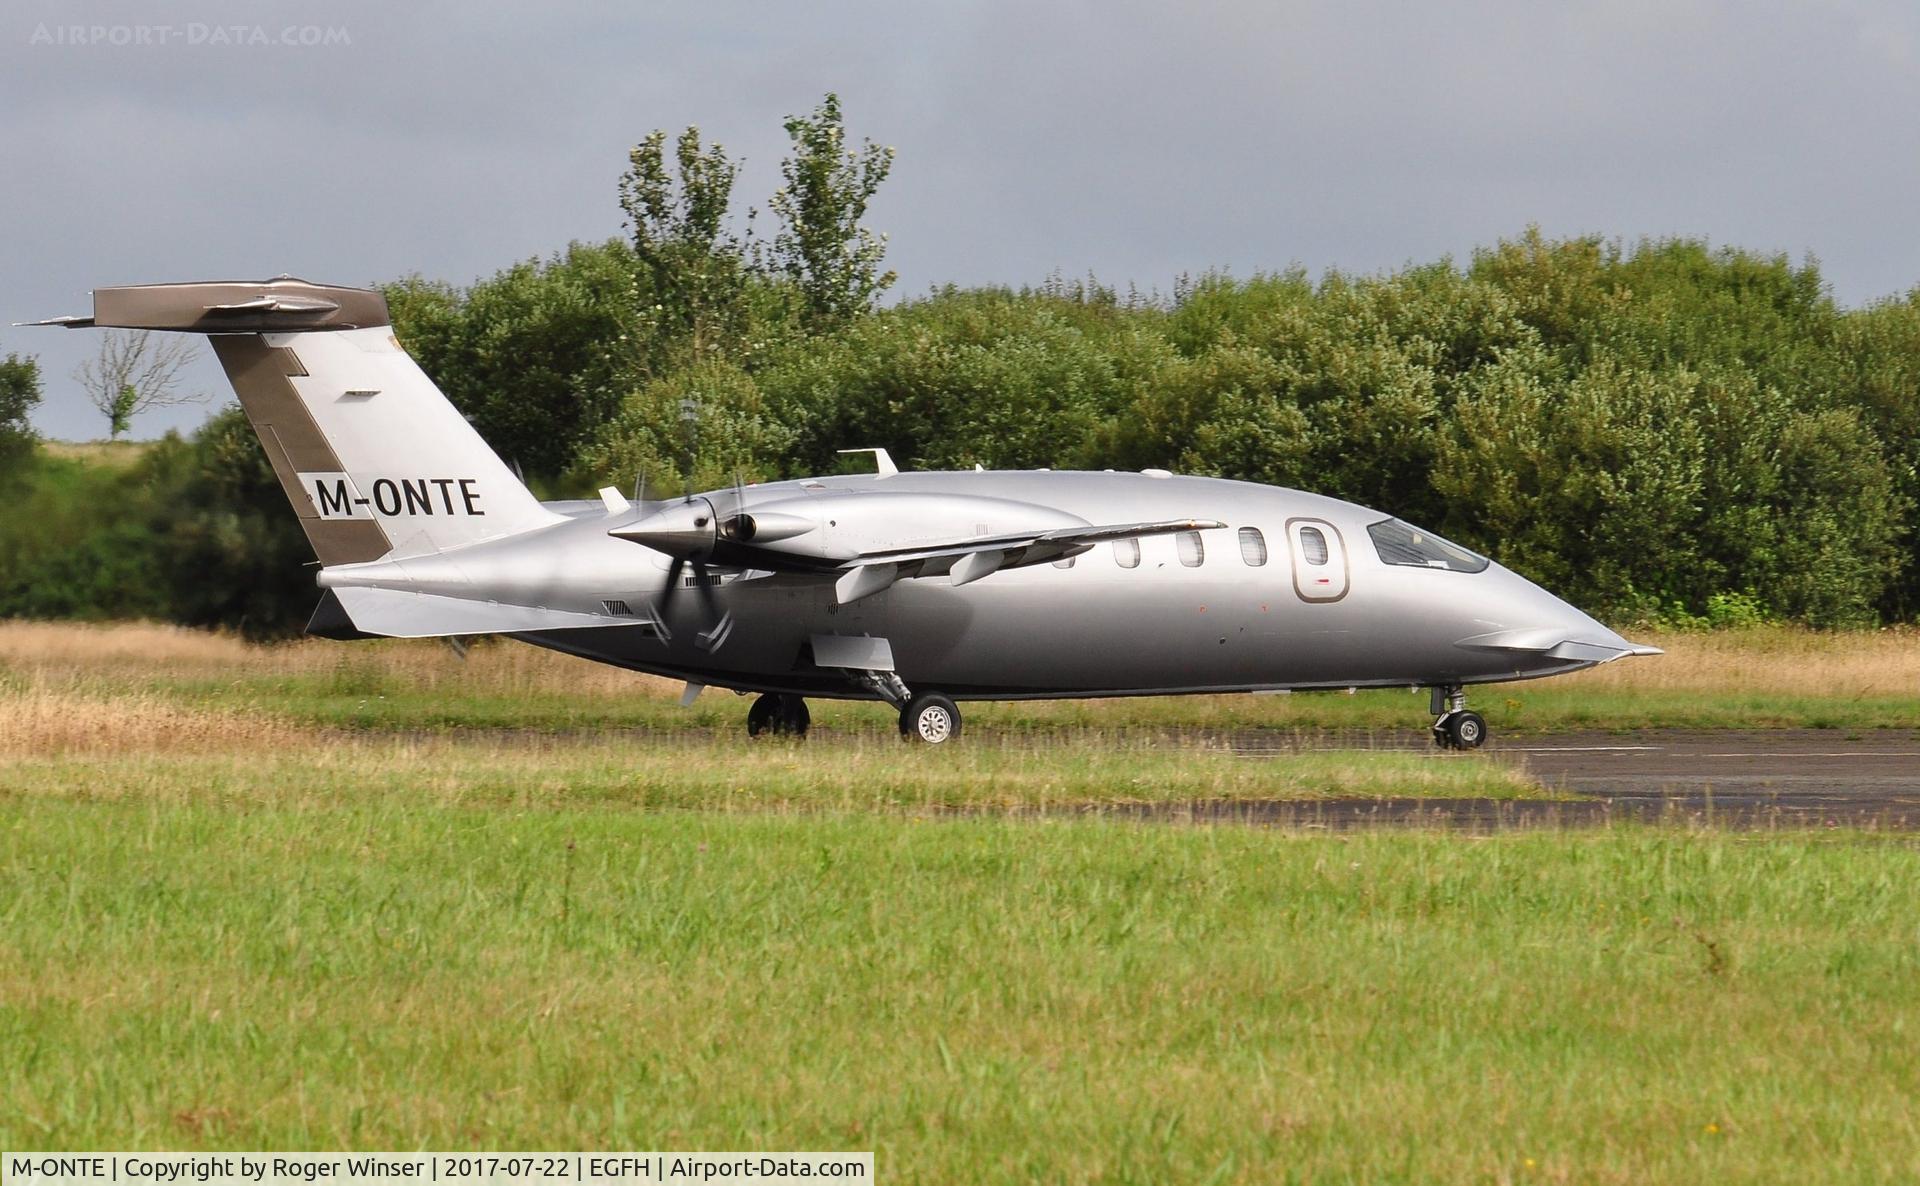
(1261, 604)
(915, 588)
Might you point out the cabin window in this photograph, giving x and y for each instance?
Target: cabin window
(1127, 552)
(1193, 553)
(1313, 545)
(1253, 547)
(1403, 543)
(1065, 562)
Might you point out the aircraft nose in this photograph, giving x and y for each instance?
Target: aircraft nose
(1537, 622)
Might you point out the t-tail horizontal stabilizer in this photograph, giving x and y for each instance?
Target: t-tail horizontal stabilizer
(367, 449)
(397, 613)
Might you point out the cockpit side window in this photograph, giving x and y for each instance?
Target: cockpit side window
(1404, 544)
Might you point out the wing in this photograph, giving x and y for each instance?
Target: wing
(1037, 546)
(968, 560)
(871, 540)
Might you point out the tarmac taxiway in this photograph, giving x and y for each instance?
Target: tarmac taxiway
(1781, 778)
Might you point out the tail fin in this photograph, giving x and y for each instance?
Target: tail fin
(373, 458)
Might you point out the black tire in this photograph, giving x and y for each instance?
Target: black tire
(930, 718)
(1467, 730)
(793, 719)
(780, 715)
(761, 716)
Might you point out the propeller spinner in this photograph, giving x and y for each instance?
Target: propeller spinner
(686, 532)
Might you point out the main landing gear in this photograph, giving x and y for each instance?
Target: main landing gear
(1453, 726)
(779, 714)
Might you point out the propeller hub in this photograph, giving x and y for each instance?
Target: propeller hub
(684, 530)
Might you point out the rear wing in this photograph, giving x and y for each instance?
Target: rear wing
(282, 305)
(374, 459)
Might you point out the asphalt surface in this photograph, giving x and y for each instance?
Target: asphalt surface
(1787, 779)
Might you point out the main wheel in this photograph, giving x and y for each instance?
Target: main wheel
(793, 719)
(1466, 730)
(931, 718)
(780, 715)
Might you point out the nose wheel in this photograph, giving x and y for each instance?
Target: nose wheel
(780, 715)
(930, 717)
(1453, 726)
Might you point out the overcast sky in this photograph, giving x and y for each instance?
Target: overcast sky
(1133, 141)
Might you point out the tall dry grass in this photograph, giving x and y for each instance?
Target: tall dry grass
(113, 652)
(1770, 660)
(39, 722)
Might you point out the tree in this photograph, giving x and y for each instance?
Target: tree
(822, 247)
(692, 269)
(19, 392)
(229, 551)
(738, 436)
(532, 355)
(133, 371)
(1591, 486)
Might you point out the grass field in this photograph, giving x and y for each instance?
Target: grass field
(258, 898)
(109, 454)
(977, 1000)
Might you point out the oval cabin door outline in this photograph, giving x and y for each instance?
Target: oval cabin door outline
(1319, 560)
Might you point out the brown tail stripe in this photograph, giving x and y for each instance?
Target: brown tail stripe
(260, 375)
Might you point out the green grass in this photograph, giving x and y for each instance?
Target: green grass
(287, 899)
(873, 773)
(977, 999)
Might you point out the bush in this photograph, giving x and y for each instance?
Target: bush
(196, 532)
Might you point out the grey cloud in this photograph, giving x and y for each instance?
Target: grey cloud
(1132, 140)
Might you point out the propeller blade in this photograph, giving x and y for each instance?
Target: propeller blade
(704, 584)
(673, 584)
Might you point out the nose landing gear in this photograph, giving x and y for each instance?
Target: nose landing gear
(926, 717)
(1453, 726)
(931, 718)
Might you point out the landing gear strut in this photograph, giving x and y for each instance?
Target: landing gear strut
(779, 714)
(1453, 726)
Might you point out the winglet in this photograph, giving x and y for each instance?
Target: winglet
(881, 462)
(615, 501)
